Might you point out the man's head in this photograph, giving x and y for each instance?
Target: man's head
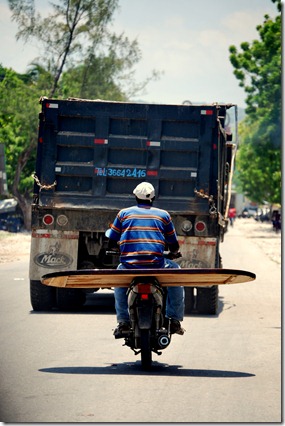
(144, 192)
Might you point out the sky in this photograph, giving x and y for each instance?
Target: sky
(186, 40)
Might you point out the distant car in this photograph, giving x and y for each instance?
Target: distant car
(248, 212)
(11, 217)
(11, 223)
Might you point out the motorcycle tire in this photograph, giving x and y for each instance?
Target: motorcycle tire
(146, 354)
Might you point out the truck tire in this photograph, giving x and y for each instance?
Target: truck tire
(189, 300)
(70, 299)
(207, 300)
(42, 297)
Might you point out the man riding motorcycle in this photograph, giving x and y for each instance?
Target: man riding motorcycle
(142, 233)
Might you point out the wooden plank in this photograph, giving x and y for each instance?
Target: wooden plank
(59, 281)
(108, 278)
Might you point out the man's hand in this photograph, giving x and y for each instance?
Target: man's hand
(172, 255)
(113, 245)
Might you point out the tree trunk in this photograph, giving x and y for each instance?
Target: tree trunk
(25, 206)
(24, 200)
(66, 52)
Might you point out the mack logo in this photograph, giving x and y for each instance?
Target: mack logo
(185, 263)
(53, 258)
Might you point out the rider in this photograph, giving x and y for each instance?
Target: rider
(142, 232)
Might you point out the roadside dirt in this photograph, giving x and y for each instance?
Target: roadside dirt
(262, 234)
(14, 247)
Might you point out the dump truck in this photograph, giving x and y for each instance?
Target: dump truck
(91, 154)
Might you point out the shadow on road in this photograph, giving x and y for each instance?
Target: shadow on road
(96, 303)
(104, 303)
(130, 369)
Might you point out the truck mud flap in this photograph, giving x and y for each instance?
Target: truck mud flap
(52, 251)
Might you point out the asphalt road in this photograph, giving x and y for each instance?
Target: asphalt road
(60, 367)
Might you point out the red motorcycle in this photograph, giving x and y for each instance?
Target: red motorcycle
(150, 331)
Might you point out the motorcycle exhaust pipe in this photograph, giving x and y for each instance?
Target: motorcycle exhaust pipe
(163, 341)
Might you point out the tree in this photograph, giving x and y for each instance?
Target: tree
(79, 57)
(19, 121)
(74, 26)
(258, 68)
(106, 75)
(75, 33)
(258, 174)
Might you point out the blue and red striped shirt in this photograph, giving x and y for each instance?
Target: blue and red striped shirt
(142, 232)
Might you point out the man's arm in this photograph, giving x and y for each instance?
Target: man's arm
(171, 237)
(114, 233)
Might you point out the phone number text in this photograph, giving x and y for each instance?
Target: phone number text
(113, 172)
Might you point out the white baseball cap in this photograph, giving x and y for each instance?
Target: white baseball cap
(144, 191)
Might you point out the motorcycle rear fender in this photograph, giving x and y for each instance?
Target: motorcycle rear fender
(145, 315)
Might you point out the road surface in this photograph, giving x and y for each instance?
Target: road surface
(64, 367)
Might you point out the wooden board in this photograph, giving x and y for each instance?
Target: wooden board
(107, 278)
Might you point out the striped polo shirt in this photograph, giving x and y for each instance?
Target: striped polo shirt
(142, 232)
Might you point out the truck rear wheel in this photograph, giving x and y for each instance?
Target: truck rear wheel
(70, 299)
(207, 300)
(42, 297)
(189, 300)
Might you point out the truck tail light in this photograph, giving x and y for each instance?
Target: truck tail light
(200, 226)
(48, 219)
(186, 226)
(62, 220)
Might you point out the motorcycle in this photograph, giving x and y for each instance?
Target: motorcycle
(150, 330)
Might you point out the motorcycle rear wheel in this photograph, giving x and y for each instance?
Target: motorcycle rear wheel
(146, 354)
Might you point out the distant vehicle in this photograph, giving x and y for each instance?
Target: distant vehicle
(11, 218)
(248, 212)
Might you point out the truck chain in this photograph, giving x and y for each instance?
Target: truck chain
(43, 186)
(213, 208)
(202, 195)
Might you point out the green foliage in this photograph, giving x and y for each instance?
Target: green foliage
(259, 168)
(102, 76)
(19, 109)
(257, 66)
(79, 57)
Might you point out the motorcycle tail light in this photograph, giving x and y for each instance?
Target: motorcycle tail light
(48, 219)
(144, 289)
(144, 296)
